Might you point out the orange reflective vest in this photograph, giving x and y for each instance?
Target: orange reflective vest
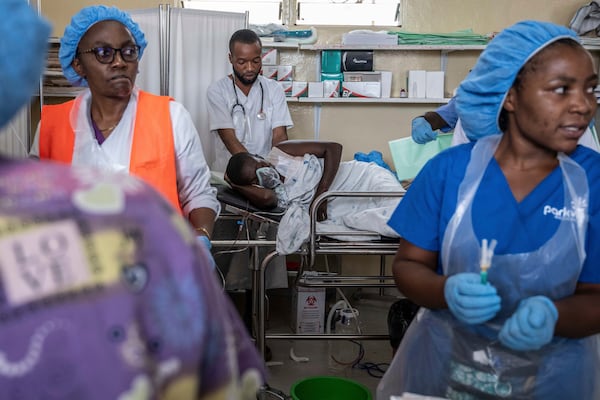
(152, 150)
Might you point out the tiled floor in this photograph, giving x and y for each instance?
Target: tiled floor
(284, 371)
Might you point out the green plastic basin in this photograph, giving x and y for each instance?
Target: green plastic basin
(329, 388)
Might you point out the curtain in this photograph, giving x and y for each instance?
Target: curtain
(14, 136)
(194, 53)
(199, 51)
(148, 78)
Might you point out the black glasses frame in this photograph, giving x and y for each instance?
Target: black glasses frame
(113, 51)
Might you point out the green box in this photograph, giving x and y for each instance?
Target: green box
(331, 61)
(339, 76)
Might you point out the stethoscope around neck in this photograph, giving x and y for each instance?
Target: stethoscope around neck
(261, 114)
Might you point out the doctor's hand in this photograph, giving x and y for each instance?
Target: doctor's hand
(469, 300)
(531, 326)
(421, 131)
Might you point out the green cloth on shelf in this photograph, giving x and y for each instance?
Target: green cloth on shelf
(464, 37)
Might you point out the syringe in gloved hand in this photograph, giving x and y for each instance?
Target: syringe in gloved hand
(485, 262)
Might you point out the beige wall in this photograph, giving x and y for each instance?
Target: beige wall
(362, 127)
(59, 12)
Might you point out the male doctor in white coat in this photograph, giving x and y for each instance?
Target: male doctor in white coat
(246, 110)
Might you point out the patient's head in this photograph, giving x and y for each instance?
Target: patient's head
(241, 168)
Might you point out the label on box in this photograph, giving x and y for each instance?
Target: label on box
(285, 73)
(269, 56)
(361, 89)
(308, 313)
(299, 89)
(270, 71)
(367, 76)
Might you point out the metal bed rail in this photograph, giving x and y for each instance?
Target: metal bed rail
(318, 245)
(376, 247)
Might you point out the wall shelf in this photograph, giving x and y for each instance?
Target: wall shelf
(380, 100)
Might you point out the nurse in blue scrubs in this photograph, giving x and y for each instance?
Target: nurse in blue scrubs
(528, 331)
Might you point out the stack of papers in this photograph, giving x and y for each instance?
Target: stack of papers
(366, 37)
(464, 37)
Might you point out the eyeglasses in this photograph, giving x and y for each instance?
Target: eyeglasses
(106, 55)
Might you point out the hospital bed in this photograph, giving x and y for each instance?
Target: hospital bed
(320, 243)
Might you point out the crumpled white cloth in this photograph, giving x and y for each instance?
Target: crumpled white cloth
(344, 214)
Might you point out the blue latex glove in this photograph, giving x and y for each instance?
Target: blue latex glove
(531, 326)
(469, 300)
(205, 241)
(422, 131)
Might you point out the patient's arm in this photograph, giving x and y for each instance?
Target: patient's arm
(258, 196)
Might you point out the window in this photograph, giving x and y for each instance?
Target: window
(349, 12)
(260, 12)
(310, 12)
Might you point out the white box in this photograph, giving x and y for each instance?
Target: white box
(269, 56)
(287, 87)
(386, 83)
(285, 72)
(417, 83)
(308, 312)
(361, 89)
(331, 88)
(435, 85)
(299, 89)
(270, 71)
(315, 89)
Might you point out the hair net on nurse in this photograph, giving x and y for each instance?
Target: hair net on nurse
(480, 96)
(80, 23)
(23, 50)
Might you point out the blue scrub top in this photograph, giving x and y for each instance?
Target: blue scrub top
(422, 216)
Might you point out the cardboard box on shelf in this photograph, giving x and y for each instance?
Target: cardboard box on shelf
(287, 87)
(435, 85)
(331, 61)
(299, 89)
(270, 71)
(269, 56)
(331, 88)
(285, 72)
(417, 83)
(357, 60)
(361, 89)
(315, 89)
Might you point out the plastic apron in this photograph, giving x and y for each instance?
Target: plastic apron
(114, 154)
(441, 356)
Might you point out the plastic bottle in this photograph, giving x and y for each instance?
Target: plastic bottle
(342, 353)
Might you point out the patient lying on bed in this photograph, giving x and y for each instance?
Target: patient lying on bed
(294, 173)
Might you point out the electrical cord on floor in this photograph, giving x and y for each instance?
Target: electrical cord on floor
(376, 370)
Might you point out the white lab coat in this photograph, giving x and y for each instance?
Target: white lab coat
(193, 175)
(255, 134)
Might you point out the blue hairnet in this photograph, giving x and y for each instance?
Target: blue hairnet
(80, 23)
(23, 51)
(480, 96)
